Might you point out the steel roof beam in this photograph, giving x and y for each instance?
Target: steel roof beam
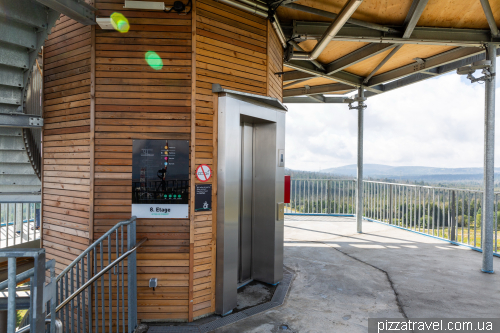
(359, 55)
(78, 10)
(294, 82)
(307, 67)
(490, 18)
(333, 16)
(320, 98)
(308, 100)
(383, 62)
(431, 62)
(420, 35)
(410, 22)
(344, 62)
(417, 77)
(296, 75)
(314, 61)
(405, 81)
(416, 10)
(334, 27)
(322, 89)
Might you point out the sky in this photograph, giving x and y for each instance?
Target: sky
(436, 123)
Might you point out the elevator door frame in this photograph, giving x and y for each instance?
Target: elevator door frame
(268, 191)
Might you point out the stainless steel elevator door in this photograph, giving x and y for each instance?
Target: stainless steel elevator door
(246, 188)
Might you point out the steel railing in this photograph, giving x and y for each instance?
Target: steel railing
(19, 223)
(91, 290)
(322, 196)
(446, 213)
(41, 296)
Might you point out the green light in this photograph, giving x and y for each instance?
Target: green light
(154, 60)
(120, 22)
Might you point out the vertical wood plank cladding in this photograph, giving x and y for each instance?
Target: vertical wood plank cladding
(66, 149)
(135, 101)
(275, 64)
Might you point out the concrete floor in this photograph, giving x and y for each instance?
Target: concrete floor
(343, 278)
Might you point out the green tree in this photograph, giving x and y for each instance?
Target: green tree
(478, 219)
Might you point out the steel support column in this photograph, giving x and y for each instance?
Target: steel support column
(489, 154)
(359, 194)
(11, 316)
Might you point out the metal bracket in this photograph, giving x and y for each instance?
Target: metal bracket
(36, 121)
(360, 101)
(360, 105)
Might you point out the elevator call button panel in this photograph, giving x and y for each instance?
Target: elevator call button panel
(160, 178)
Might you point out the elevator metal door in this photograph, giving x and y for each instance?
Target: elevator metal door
(246, 189)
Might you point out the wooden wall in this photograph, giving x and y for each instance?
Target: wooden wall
(135, 101)
(274, 64)
(66, 144)
(231, 49)
(116, 97)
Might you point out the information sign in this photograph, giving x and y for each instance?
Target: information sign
(203, 197)
(160, 178)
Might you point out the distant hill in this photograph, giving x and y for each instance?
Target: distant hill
(409, 172)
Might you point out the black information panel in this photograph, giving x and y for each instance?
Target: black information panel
(203, 197)
(160, 178)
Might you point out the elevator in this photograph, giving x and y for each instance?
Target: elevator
(250, 194)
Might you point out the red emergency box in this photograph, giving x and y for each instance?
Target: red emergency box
(288, 181)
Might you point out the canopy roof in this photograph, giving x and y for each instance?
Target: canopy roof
(384, 45)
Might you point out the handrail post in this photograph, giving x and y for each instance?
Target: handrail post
(390, 203)
(132, 277)
(328, 189)
(453, 218)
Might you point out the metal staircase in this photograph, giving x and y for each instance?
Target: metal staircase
(24, 27)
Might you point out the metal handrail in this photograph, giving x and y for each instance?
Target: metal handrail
(51, 264)
(425, 186)
(27, 328)
(381, 182)
(94, 245)
(98, 275)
